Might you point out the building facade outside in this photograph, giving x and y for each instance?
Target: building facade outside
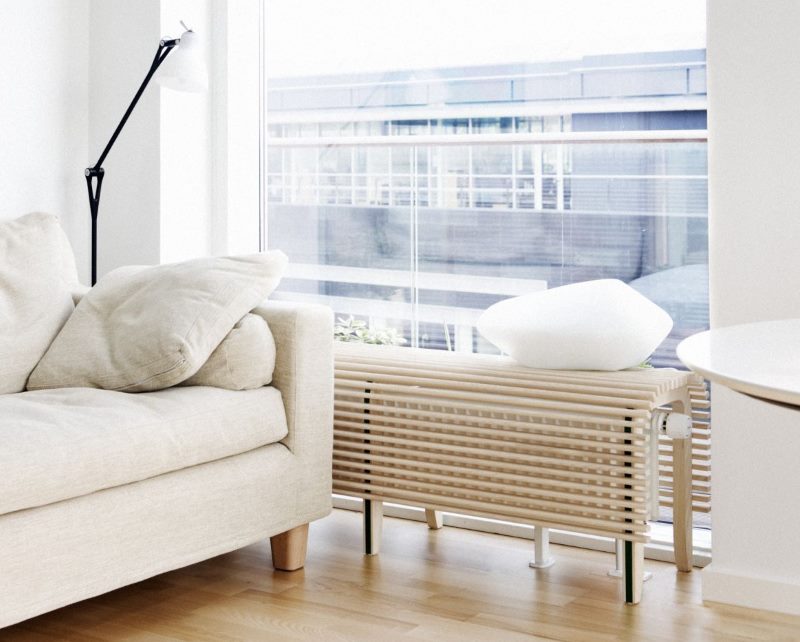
(415, 199)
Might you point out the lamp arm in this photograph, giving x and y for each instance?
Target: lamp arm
(94, 175)
(164, 47)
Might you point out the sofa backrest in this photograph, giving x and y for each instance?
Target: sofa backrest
(37, 276)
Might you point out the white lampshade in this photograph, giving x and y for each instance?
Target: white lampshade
(185, 67)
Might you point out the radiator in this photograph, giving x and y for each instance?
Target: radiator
(480, 435)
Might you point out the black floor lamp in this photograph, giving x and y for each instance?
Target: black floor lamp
(185, 72)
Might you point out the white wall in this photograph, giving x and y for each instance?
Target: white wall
(124, 37)
(754, 166)
(44, 56)
(182, 179)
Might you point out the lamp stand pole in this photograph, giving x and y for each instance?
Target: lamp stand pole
(94, 175)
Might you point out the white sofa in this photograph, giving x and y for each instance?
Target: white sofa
(101, 488)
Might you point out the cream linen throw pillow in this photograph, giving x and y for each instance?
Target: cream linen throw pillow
(146, 329)
(37, 274)
(243, 361)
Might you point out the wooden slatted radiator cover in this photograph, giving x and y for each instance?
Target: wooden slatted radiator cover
(481, 435)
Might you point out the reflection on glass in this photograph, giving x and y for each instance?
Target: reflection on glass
(491, 221)
(495, 200)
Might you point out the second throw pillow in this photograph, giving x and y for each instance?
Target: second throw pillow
(244, 360)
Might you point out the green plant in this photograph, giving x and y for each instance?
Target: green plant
(354, 330)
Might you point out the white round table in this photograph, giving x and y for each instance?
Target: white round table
(758, 359)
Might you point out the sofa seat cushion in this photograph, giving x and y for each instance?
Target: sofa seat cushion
(63, 443)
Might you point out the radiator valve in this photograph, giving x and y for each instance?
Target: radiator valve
(675, 425)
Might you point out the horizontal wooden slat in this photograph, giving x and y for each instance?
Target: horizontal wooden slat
(375, 389)
(697, 505)
(519, 419)
(489, 467)
(492, 391)
(698, 455)
(620, 527)
(699, 462)
(530, 475)
(356, 357)
(491, 445)
(585, 438)
(698, 478)
(345, 439)
(665, 487)
(540, 497)
(526, 385)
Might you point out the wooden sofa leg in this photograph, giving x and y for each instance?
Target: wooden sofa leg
(289, 548)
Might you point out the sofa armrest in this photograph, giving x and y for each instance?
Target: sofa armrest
(304, 375)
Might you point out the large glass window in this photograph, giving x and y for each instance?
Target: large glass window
(419, 170)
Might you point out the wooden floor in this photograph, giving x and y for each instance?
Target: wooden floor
(426, 585)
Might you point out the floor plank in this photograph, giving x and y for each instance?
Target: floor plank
(443, 585)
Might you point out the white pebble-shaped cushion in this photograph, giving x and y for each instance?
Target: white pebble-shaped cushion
(594, 325)
(243, 361)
